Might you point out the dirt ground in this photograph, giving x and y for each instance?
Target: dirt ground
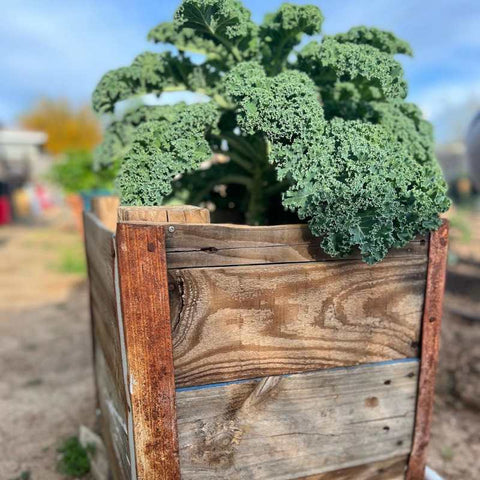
(46, 384)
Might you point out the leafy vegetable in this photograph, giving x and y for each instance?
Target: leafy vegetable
(322, 129)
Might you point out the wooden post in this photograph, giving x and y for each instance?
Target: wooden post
(146, 321)
(105, 209)
(432, 316)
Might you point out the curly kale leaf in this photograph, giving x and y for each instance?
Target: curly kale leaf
(381, 39)
(225, 22)
(119, 134)
(186, 40)
(281, 31)
(163, 149)
(292, 93)
(149, 73)
(358, 183)
(331, 61)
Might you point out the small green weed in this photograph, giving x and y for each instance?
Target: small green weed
(74, 460)
(25, 475)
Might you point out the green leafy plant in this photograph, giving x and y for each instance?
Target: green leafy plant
(74, 172)
(74, 460)
(322, 131)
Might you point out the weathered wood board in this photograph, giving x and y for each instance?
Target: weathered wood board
(233, 323)
(190, 245)
(105, 209)
(294, 426)
(173, 214)
(107, 338)
(391, 469)
(114, 422)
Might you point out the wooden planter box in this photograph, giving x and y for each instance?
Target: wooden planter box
(236, 352)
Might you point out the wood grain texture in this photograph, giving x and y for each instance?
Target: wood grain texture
(105, 207)
(299, 425)
(109, 374)
(253, 321)
(391, 469)
(172, 213)
(222, 245)
(113, 423)
(430, 345)
(146, 320)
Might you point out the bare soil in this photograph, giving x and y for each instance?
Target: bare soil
(46, 384)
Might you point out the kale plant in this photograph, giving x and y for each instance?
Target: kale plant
(322, 130)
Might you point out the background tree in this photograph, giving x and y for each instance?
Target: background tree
(68, 128)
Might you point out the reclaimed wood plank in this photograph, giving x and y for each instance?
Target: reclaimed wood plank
(105, 207)
(298, 425)
(431, 322)
(113, 422)
(221, 245)
(310, 252)
(172, 213)
(146, 321)
(100, 261)
(391, 469)
(110, 371)
(252, 321)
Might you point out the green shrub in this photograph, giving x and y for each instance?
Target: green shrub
(323, 130)
(74, 173)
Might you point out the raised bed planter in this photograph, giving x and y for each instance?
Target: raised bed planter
(236, 352)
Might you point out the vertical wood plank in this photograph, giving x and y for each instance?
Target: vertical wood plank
(105, 209)
(432, 315)
(146, 317)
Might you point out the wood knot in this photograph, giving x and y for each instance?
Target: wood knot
(151, 247)
(218, 442)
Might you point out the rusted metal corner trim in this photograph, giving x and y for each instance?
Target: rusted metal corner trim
(431, 322)
(145, 309)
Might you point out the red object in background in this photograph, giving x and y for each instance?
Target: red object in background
(5, 210)
(43, 197)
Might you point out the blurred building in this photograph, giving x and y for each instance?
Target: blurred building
(473, 149)
(22, 158)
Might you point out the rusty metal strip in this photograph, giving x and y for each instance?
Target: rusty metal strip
(146, 319)
(432, 315)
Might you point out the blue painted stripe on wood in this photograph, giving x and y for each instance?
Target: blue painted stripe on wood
(256, 379)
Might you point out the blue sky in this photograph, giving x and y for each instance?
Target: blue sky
(61, 48)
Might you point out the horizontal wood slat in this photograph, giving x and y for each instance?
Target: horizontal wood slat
(391, 469)
(299, 425)
(172, 213)
(253, 321)
(223, 245)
